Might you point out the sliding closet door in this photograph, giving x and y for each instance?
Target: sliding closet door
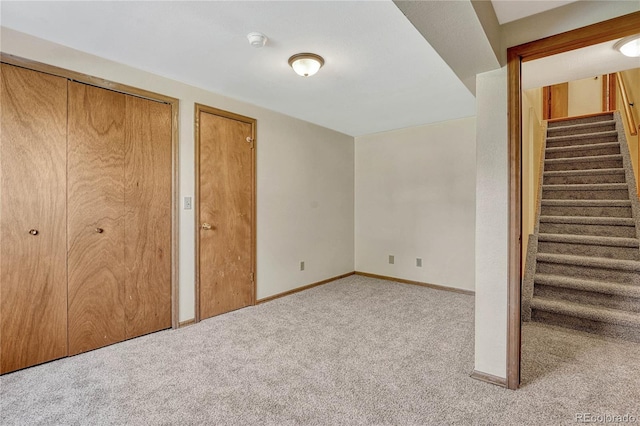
(148, 216)
(33, 275)
(96, 214)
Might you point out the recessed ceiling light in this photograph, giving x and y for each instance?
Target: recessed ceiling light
(306, 64)
(629, 46)
(257, 39)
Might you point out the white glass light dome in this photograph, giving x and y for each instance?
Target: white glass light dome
(629, 46)
(306, 64)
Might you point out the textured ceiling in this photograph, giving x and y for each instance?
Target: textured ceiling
(471, 51)
(576, 64)
(380, 73)
(512, 10)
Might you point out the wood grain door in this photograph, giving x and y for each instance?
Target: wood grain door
(556, 100)
(147, 250)
(226, 212)
(33, 273)
(96, 212)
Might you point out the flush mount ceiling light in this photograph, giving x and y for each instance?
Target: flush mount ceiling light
(629, 46)
(306, 64)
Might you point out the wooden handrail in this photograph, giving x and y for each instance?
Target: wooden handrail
(628, 113)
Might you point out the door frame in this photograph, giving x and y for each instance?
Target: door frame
(141, 93)
(196, 205)
(582, 37)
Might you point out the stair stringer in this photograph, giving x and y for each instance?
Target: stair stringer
(526, 292)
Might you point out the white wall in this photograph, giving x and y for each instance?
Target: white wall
(585, 96)
(492, 167)
(304, 172)
(415, 198)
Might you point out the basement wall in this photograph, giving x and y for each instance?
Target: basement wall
(305, 178)
(415, 198)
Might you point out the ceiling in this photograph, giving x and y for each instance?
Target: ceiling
(380, 73)
(512, 10)
(576, 64)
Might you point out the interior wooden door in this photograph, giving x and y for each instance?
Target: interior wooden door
(96, 236)
(556, 100)
(33, 272)
(226, 210)
(148, 216)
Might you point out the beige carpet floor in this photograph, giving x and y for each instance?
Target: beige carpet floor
(355, 351)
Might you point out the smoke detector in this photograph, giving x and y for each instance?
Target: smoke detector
(257, 39)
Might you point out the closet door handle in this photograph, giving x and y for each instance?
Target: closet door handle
(206, 226)
(33, 232)
(99, 230)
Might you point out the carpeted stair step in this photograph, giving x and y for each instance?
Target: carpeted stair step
(582, 139)
(586, 225)
(572, 151)
(592, 208)
(575, 129)
(588, 292)
(584, 163)
(602, 287)
(604, 321)
(560, 177)
(580, 120)
(588, 267)
(591, 191)
(587, 245)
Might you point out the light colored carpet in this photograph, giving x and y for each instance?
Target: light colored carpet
(354, 351)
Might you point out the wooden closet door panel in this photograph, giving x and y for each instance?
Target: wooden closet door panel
(33, 274)
(148, 216)
(95, 217)
(226, 203)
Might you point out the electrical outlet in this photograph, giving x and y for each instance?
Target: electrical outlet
(419, 262)
(187, 203)
(392, 259)
(302, 265)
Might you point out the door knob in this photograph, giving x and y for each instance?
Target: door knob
(33, 231)
(99, 230)
(206, 226)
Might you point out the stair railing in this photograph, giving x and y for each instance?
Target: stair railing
(628, 112)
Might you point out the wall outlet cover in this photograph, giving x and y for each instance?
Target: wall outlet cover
(392, 259)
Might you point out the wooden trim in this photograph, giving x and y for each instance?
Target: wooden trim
(303, 288)
(418, 283)
(489, 378)
(605, 92)
(198, 108)
(600, 32)
(175, 114)
(546, 102)
(582, 37)
(609, 92)
(186, 323)
(514, 271)
(612, 93)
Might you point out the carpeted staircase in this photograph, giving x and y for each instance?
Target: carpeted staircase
(583, 260)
